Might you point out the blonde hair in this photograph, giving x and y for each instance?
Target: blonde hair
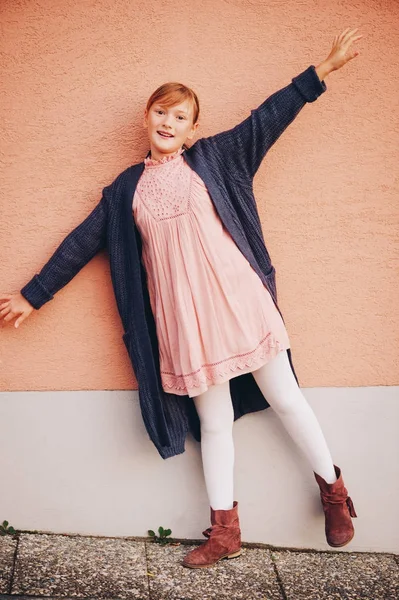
(173, 92)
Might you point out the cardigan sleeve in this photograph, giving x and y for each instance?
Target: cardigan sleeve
(242, 148)
(75, 251)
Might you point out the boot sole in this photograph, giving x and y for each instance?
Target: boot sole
(231, 555)
(344, 544)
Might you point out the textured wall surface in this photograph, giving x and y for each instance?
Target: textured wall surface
(75, 77)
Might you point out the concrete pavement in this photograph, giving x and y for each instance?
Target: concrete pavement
(55, 566)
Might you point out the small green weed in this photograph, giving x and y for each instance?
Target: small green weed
(162, 537)
(5, 529)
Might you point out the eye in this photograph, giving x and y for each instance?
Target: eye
(182, 117)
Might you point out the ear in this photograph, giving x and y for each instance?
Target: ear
(193, 130)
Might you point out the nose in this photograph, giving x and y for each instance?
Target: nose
(166, 121)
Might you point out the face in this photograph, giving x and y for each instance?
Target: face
(176, 120)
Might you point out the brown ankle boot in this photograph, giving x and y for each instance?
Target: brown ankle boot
(224, 540)
(338, 510)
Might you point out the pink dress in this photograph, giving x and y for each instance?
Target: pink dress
(214, 317)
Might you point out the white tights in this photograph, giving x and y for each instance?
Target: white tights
(215, 410)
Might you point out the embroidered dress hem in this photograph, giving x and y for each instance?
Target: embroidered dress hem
(196, 383)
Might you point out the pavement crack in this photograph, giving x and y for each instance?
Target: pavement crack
(14, 562)
(146, 570)
(279, 580)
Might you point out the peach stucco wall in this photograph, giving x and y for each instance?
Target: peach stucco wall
(75, 77)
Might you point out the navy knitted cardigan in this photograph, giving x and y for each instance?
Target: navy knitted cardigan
(227, 163)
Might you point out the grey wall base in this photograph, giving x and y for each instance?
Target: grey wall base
(81, 462)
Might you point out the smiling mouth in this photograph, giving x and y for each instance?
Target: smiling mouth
(164, 135)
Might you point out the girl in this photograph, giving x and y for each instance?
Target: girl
(203, 329)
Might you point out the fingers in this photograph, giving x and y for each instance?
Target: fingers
(345, 33)
(356, 38)
(345, 39)
(11, 309)
(19, 321)
(10, 315)
(350, 37)
(354, 54)
(7, 315)
(3, 313)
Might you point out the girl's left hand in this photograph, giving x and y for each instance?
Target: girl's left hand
(340, 53)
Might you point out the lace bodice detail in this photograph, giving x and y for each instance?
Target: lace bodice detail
(165, 185)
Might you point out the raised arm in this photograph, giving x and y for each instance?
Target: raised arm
(77, 248)
(242, 148)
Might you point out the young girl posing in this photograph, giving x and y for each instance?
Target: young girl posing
(196, 293)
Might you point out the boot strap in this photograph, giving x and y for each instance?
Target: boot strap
(333, 498)
(207, 532)
(336, 499)
(352, 511)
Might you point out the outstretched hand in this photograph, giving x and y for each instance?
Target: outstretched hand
(14, 305)
(341, 53)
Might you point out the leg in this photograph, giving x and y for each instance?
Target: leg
(277, 383)
(215, 410)
(216, 414)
